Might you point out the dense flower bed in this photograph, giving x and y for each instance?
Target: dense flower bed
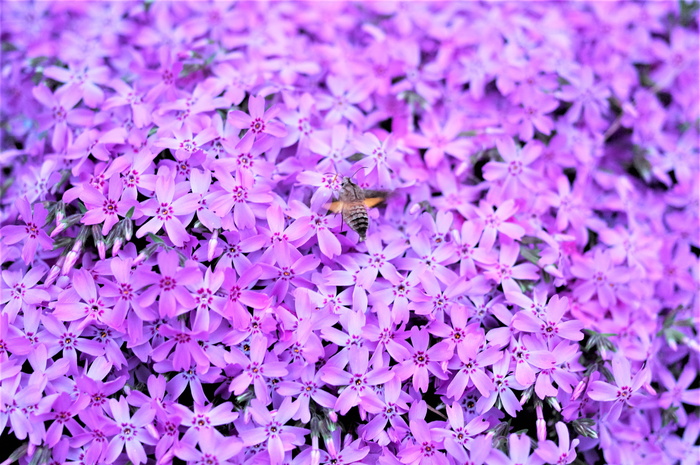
(175, 289)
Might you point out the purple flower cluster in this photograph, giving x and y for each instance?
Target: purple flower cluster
(175, 289)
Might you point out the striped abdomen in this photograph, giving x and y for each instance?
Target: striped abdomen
(355, 215)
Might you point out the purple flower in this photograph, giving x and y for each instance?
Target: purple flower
(32, 233)
(307, 388)
(259, 122)
(359, 382)
(254, 369)
(564, 453)
(86, 78)
(426, 445)
(473, 358)
(514, 173)
(422, 361)
(518, 452)
(212, 449)
(132, 432)
(61, 105)
(549, 324)
(273, 429)
(460, 438)
(504, 385)
(440, 141)
(164, 210)
(19, 291)
(168, 286)
(237, 194)
(624, 391)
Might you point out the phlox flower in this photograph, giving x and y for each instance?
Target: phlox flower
(440, 141)
(19, 291)
(185, 345)
(518, 452)
(599, 276)
(307, 388)
(359, 382)
(624, 391)
(31, 233)
(549, 324)
(514, 173)
(124, 289)
(240, 296)
(141, 111)
(83, 76)
(589, 98)
(203, 419)
(381, 157)
(497, 222)
(504, 385)
(106, 210)
(395, 404)
(165, 209)
(677, 392)
(273, 429)
(473, 357)
(426, 446)
(506, 271)
(259, 123)
(92, 309)
(168, 286)
(562, 454)
(61, 105)
(460, 437)
(132, 432)
(237, 193)
(422, 361)
(259, 365)
(528, 358)
(342, 101)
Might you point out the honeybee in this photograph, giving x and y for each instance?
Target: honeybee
(353, 202)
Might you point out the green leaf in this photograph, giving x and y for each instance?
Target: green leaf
(156, 239)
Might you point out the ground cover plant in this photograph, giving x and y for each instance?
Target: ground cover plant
(176, 290)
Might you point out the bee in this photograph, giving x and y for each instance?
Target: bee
(353, 202)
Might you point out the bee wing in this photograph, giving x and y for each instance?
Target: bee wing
(372, 201)
(335, 207)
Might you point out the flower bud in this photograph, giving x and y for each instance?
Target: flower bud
(578, 390)
(540, 423)
(71, 260)
(117, 246)
(54, 272)
(211, 245)
(128, 229)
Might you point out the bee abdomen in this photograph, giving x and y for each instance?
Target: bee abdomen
(356, 217)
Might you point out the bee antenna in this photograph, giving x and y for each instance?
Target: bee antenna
(358, 170)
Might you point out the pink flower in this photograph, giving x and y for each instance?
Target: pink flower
(18, 291)
(62, 113)
(562, 454)
(259, 122)
(32, 233)
(85, 78)
(103, 209)
(624, 391)
(497, 222)
(514, 173)
(168, 286)
(273, 429)
(165, 211)
(441, 141)
(132, 434)
(141, 111)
